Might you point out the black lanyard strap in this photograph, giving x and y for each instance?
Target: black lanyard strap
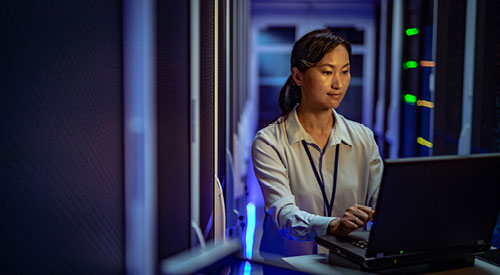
(329, 205)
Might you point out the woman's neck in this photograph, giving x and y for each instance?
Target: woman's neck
(315, 122)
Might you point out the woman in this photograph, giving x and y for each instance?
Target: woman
(319, 172)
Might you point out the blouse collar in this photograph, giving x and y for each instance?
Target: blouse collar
(295, 131)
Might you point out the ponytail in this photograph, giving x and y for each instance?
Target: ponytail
(290, 96)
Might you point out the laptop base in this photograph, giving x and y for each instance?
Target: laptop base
(434, 266)
(492, 257)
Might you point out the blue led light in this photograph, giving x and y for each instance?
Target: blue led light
(248, 268)
(250, 230)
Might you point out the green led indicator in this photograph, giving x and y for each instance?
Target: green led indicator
(401, 252)
(411, 31)
(410, 64)
(410, 99)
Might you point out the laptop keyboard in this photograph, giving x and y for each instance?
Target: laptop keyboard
(360, 244)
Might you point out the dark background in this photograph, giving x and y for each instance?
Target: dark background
(61, 141)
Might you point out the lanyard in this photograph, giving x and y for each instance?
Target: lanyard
(329, 205)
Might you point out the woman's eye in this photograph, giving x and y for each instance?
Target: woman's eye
(327, 73)
(345, 72)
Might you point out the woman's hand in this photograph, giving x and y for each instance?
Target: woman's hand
(354, 217)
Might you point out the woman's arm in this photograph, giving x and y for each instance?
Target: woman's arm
(271, 172)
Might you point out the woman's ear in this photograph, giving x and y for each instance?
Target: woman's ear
(297, 76)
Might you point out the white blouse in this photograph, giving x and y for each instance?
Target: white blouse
(292, 194)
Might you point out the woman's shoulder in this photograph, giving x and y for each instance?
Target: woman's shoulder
(273, 133)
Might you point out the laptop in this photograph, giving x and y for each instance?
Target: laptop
(438, 210)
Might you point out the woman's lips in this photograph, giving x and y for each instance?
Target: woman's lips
(334, 95)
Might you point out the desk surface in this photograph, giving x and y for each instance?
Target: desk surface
(318, 264)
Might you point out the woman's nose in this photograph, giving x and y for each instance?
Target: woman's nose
(336, 83)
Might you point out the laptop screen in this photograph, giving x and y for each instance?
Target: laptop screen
(436, 203)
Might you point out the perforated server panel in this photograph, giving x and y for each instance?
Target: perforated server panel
(207, 114)
(173, 103)
(486, 123)
(61, 141)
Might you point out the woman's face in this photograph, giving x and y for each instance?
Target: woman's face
(324, 85)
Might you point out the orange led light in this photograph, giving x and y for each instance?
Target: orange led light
(424, 63)
(425, 103)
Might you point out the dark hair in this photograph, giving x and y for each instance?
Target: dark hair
(307, 51)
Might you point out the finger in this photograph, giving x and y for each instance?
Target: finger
(359, 222)
(365, 209)
(349, 224)
(364, 217)
(356, 220)
(359, 207)
(368, 211)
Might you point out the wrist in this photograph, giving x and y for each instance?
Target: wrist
(333, 226)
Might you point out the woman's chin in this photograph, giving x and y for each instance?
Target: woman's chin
(335, 105)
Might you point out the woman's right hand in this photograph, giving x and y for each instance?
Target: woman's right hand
(354, 217)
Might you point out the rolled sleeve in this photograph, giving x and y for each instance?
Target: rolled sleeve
(299, 225)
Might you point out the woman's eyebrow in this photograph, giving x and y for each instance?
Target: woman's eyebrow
(332, 66)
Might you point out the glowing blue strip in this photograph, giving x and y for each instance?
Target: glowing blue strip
(250, 230)
(248, 268)
(140, 135)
